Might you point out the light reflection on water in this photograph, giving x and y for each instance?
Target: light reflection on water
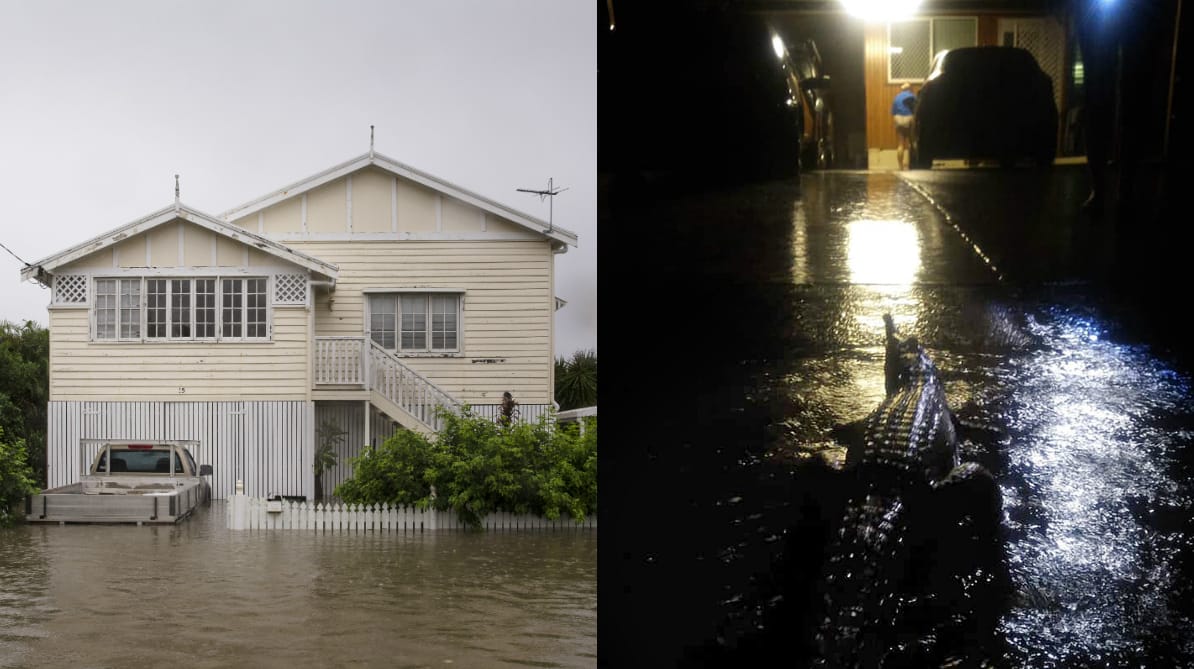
(199, 595)
(1086, 444)
(1090, 444)
(882, 252)
(1085, 436)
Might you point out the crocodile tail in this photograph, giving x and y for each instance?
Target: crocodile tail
(865, 564)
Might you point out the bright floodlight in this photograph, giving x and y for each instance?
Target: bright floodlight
(881, 10)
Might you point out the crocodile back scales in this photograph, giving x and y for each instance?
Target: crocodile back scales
(909, 445)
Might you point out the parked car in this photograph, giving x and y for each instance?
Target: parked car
(985, 103)
(145, 481)
(807, 75)
(692, 94)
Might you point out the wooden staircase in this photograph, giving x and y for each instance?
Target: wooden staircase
(400, 392)
(403, 394)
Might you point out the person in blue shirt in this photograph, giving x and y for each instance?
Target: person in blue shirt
(901, 111)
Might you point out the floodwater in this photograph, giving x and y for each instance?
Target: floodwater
(1086, 429)
(199, 595)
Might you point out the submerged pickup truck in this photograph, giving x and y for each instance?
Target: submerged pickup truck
(142, 482)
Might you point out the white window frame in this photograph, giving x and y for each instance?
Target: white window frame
(117, 309)
(192, 308)
(928, 21)
(428, 293)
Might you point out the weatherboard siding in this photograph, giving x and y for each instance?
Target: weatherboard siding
(81, 369)
(505, 320)
(360, 222)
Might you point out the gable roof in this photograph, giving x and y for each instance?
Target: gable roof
(44, 268)
(392, 166)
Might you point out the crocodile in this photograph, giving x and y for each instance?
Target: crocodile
(912, 492)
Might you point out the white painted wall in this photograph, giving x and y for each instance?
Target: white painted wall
(385, 232)
(81, 369)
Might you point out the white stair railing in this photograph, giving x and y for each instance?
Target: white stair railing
(405, 387)
(359, 361)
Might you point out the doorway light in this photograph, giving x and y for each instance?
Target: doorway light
(881, 10)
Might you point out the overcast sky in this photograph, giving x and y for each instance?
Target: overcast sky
(101, 104)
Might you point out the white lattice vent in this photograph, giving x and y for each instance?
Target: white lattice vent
(70, 289)
(290, 289)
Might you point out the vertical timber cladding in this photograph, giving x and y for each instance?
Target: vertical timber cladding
(350, 417)
(265, 444)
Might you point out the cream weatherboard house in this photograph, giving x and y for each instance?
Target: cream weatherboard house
(363, 297)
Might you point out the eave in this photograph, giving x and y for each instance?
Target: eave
(42, 270)
(560, 235)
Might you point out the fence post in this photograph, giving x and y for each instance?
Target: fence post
(237, 506)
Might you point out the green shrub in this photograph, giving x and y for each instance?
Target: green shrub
(16, 479)
(392, 473)
(478, 466)
(24, 389)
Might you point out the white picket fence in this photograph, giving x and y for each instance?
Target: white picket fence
(254, 513)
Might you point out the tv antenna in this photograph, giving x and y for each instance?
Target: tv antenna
(551, 192)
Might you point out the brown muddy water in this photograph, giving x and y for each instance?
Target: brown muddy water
(199, 595)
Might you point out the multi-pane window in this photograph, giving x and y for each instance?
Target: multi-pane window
(383, 319)
(255, 319)
(155, 308)
(414, 322)
(232, 314)
(205, 308)
(913, 43)
(182, 309)
(118, 308)
(443, 322)
(130, 309)
(105, 309)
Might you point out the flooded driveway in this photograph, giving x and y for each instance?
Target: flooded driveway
(199, 595)
(778, 295)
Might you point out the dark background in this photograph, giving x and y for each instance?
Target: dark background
(675, 326)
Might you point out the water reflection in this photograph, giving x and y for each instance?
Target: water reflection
(93, 595)
(1080, 430)
(1087, 458)
(884, 253)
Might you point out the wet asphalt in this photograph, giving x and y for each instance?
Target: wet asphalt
(745, 345)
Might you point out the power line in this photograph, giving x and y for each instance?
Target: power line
(14, 255)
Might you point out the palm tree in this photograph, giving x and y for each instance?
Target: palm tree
(576, 380)
(330, 437)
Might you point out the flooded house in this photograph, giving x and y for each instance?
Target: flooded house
(365, 297)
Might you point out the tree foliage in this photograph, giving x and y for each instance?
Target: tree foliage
(576, 380)
(24, 391)
(16, 478)
(476, 466)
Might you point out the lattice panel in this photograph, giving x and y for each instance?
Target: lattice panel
(1043, 39)
(908, 56)
(290, 289)
(70, 289)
